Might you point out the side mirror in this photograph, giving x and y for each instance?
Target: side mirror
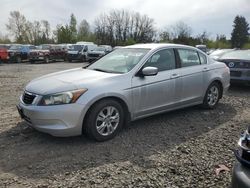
(149, 71)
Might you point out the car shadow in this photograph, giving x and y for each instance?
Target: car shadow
(31, 154)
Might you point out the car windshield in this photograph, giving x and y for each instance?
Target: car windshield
(238, 54)
(15, 47)
(76, 48)
(119, 61)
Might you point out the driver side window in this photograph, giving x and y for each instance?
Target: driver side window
(163, 60)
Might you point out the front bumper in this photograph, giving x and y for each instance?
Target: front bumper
(241, 176)
(36, 58)
(75, 57)
(240, 75)
(57, 120)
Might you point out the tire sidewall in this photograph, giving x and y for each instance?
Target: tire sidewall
(18, 59)
(90, 126)
(46, 59)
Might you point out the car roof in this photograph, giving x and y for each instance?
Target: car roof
(153, 46)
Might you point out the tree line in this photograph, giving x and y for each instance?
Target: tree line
(119, 27)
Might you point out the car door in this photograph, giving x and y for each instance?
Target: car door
(192, 81)
(152, 94)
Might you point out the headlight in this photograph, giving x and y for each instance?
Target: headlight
(61, 98)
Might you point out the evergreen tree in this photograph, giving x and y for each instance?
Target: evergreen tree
(72, 27)
(239, 34)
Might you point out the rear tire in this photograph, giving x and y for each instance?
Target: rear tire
(46, 59)
(212, 96)
(104, 120)
(18, 59)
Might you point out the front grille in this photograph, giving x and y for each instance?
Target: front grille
(28, 98)
(238, 64)
(73, 55)
(235, 73)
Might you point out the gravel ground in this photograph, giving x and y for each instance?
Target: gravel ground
(176, 149)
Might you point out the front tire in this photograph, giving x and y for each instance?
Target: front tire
(83, 58)
(104, 120)
(46, 59)
(212, 96)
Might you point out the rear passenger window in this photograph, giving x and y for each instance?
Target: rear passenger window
(188, 57)
(203, 58)
(163, 60)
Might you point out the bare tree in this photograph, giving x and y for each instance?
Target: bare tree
(46, 29)
(180, 30)
(17, 25)
(120, 26)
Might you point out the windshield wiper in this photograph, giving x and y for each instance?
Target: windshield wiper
(101, 70)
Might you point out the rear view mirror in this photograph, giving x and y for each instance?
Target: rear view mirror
(149, 71)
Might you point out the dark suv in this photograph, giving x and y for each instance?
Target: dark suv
(18, 53)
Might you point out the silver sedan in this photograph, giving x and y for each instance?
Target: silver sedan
(129, 83)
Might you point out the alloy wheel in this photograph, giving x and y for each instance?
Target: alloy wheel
(213, 95)
(107, 120)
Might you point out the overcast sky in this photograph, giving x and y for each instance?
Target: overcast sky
(213, 16)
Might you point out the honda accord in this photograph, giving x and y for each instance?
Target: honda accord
(129, 83)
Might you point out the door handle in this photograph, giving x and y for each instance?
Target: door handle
(175, 75)
(205, 69)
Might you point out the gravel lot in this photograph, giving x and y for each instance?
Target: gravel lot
(176, 149)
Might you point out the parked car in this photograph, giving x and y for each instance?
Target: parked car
(41, 53)
(127, 84)
(96, 53)
(82, 51)
(4, 52)
(66, 46)
(58, 52)
(241, 170)
(76, 52)
(239, 63)
(18, 53)
(202, 47)
(108, 48)
(216, 54)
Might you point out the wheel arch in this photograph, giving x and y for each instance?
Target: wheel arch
(219, 82)
(121, 101)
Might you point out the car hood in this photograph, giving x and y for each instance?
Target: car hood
(66, 80)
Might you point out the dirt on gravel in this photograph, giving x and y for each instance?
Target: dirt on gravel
(176, 149)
